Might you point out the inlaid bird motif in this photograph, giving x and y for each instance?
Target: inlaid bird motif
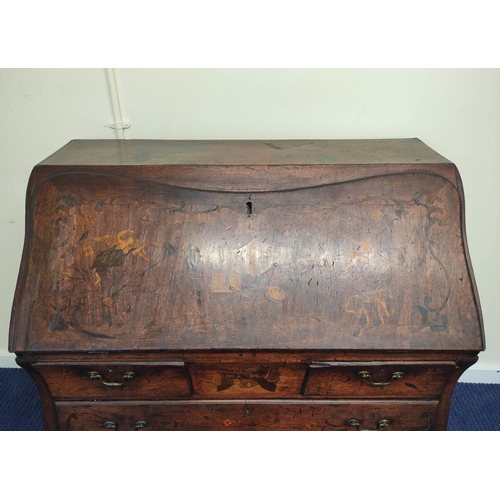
(120, 246)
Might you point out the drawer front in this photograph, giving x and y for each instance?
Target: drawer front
(116, 381)
(247, 380)
(248, 415)
(376, 380)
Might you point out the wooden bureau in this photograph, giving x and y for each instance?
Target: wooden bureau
(246, 285)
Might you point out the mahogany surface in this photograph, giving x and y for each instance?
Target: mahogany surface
(225, 271)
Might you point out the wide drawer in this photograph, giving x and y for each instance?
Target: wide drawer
(248, 415)
(116, 380)
(377, 380)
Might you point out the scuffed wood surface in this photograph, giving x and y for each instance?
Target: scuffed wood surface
(368, 264)
(218, 153)
(249, 415)
(149, 380)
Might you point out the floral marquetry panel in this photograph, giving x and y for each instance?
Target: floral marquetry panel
(116, 262)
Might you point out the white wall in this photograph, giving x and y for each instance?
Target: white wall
(456, 112)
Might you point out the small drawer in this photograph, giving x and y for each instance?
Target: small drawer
(376, 380)
(247, 380)
(248, 415)
(116, 380)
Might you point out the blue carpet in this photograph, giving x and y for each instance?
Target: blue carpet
(20, 406)
(474, 407)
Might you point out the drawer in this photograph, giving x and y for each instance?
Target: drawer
(377, 380)
(116, 380)
(247, 380)
(248, 415)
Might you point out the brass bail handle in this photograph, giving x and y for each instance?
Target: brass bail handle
(367, 375)
(126, 376)
(381, 424)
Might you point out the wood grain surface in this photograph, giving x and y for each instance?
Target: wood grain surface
(113, 264)
(246, 285)
(249, 415)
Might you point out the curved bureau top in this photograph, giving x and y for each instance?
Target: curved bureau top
(302, 255)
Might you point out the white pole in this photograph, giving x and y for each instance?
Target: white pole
(117, 123)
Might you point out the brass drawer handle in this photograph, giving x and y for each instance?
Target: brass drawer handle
(381, 424)
(126, 376)
(140, 424)
(367, 375)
